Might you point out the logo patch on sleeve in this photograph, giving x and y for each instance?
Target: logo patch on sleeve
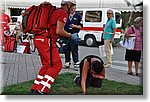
(65, 20)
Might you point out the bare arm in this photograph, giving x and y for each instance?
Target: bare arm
(100, 76)
(60, 30)
(130, 33)
(76, 26)
(114, 30)
(84, 76)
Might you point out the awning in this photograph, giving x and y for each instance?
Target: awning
(121, 5)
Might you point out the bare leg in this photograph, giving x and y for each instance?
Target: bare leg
(129, 66)
(136, 66)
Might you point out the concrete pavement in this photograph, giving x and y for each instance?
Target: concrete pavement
(16, 68)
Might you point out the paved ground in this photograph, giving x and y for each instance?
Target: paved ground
(16, 68)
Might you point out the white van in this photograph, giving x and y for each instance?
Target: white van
(94, 20)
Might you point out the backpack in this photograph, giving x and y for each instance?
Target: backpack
(36, 21)
(36, 18)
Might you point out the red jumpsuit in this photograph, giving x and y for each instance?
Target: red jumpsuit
(4, 23)
(48, 74)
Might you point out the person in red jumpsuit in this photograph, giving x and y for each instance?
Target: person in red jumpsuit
(4, 23)
(47, 74)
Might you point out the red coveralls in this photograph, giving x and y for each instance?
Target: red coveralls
(4, 23)
(47, 74)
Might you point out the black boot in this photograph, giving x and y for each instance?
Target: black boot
(37, 92)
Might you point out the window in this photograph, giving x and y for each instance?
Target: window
(15, 12)
(14, 19)
(118, 17)
(93, 16)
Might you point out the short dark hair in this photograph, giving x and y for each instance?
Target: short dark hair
(63, 4)
(97, 66)
(72, 5)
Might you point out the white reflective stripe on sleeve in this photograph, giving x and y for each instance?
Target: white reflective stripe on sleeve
(49, 78)
(40, 77)
(45, 84)
(36, 82)
(40, 39)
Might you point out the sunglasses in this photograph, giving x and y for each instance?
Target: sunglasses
(109, 13)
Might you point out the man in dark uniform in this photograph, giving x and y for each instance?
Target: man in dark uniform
(73, 25)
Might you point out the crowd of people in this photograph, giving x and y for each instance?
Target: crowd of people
(6, 31)
(92, 68)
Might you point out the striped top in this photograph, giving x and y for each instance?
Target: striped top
(139, 39)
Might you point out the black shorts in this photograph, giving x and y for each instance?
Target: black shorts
(132, 55)
(94, 82)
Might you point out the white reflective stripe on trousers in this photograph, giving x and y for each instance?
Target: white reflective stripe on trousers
(37, 82)
(40, 77)
(45, 85)
(49, 78)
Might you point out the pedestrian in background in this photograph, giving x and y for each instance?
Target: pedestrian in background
(18, 27)
(135, 54)
(73, 26)
(108, 36)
